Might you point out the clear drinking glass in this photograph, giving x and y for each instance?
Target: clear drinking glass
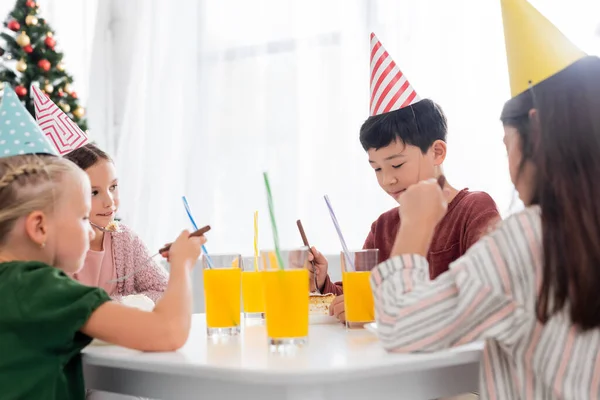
(286, 297)
(222, 294)
(253, 293)
(358, 297)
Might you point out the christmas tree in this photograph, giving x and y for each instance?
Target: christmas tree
(28, 56)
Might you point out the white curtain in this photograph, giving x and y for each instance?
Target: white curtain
(199, 97)
(220, 91)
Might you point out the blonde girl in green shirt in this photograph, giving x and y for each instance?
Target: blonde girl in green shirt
(47, 318)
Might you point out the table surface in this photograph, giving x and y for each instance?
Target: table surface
(333, 353)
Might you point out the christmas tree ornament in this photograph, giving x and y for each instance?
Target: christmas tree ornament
(21, 91)
(13, 25)
(23, 40)
(32, 56)
(50, 42)
(31, 20)
(21, 66)
(79, 112)
(44, 65)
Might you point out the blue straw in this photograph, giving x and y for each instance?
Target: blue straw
(189, 214)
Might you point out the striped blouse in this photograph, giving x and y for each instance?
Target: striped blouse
(490, 294)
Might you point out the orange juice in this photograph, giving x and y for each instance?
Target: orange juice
(253, 292)
(286, 296)
(358, 297)
(273, 261)
(222, 297)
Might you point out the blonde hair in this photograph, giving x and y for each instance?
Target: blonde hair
(27, 184)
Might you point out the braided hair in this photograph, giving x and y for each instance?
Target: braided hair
(29, 183)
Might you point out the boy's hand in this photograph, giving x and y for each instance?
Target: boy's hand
(336, 308)
(165, 254)
(185, 250)
(320, 266)
(423, 204)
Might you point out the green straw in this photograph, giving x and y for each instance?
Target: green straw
(273, 223)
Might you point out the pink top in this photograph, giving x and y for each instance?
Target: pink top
(130, 263)
(99, 268)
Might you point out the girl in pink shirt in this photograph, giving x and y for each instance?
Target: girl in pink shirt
(114, 256)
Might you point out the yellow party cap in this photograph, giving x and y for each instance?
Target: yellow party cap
(535, 48)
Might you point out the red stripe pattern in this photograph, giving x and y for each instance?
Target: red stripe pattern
(490, 295)
(64, 134)
(390, 90)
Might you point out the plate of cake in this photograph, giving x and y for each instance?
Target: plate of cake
(318, 306)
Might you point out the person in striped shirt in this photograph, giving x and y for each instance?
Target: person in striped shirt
(529, 289)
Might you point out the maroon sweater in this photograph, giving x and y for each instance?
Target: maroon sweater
(469, 216)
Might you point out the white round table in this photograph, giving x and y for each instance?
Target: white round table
(336, 364)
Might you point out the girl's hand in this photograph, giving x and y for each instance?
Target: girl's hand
(423, 204)
(165, 254)
(185, 250)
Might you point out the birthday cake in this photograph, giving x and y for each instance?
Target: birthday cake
(319, 303)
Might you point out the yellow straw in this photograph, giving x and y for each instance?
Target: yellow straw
(256, 240)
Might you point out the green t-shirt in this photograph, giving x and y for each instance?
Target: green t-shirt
(41, 312)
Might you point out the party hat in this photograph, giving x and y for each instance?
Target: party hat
(390, 90)
(19, 134)
(535, 48)
(58, 127)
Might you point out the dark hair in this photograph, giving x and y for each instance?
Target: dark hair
(419, 125)
(87, 156)
(563, 143)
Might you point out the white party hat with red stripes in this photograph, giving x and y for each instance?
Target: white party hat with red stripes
(56, 125)
(390, 90)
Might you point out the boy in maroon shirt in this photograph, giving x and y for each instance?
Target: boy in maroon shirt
(405, 139)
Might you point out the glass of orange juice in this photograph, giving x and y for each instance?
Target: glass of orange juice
(222, 294)
(358, 297)
(286, 297)
(253, 294)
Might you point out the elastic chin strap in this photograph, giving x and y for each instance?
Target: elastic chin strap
(420, 152)
(533, 96)
(43, 167)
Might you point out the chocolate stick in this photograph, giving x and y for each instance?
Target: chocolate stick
(197, 233)
(305, 241)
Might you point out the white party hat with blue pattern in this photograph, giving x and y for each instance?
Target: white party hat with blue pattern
(19, 133)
